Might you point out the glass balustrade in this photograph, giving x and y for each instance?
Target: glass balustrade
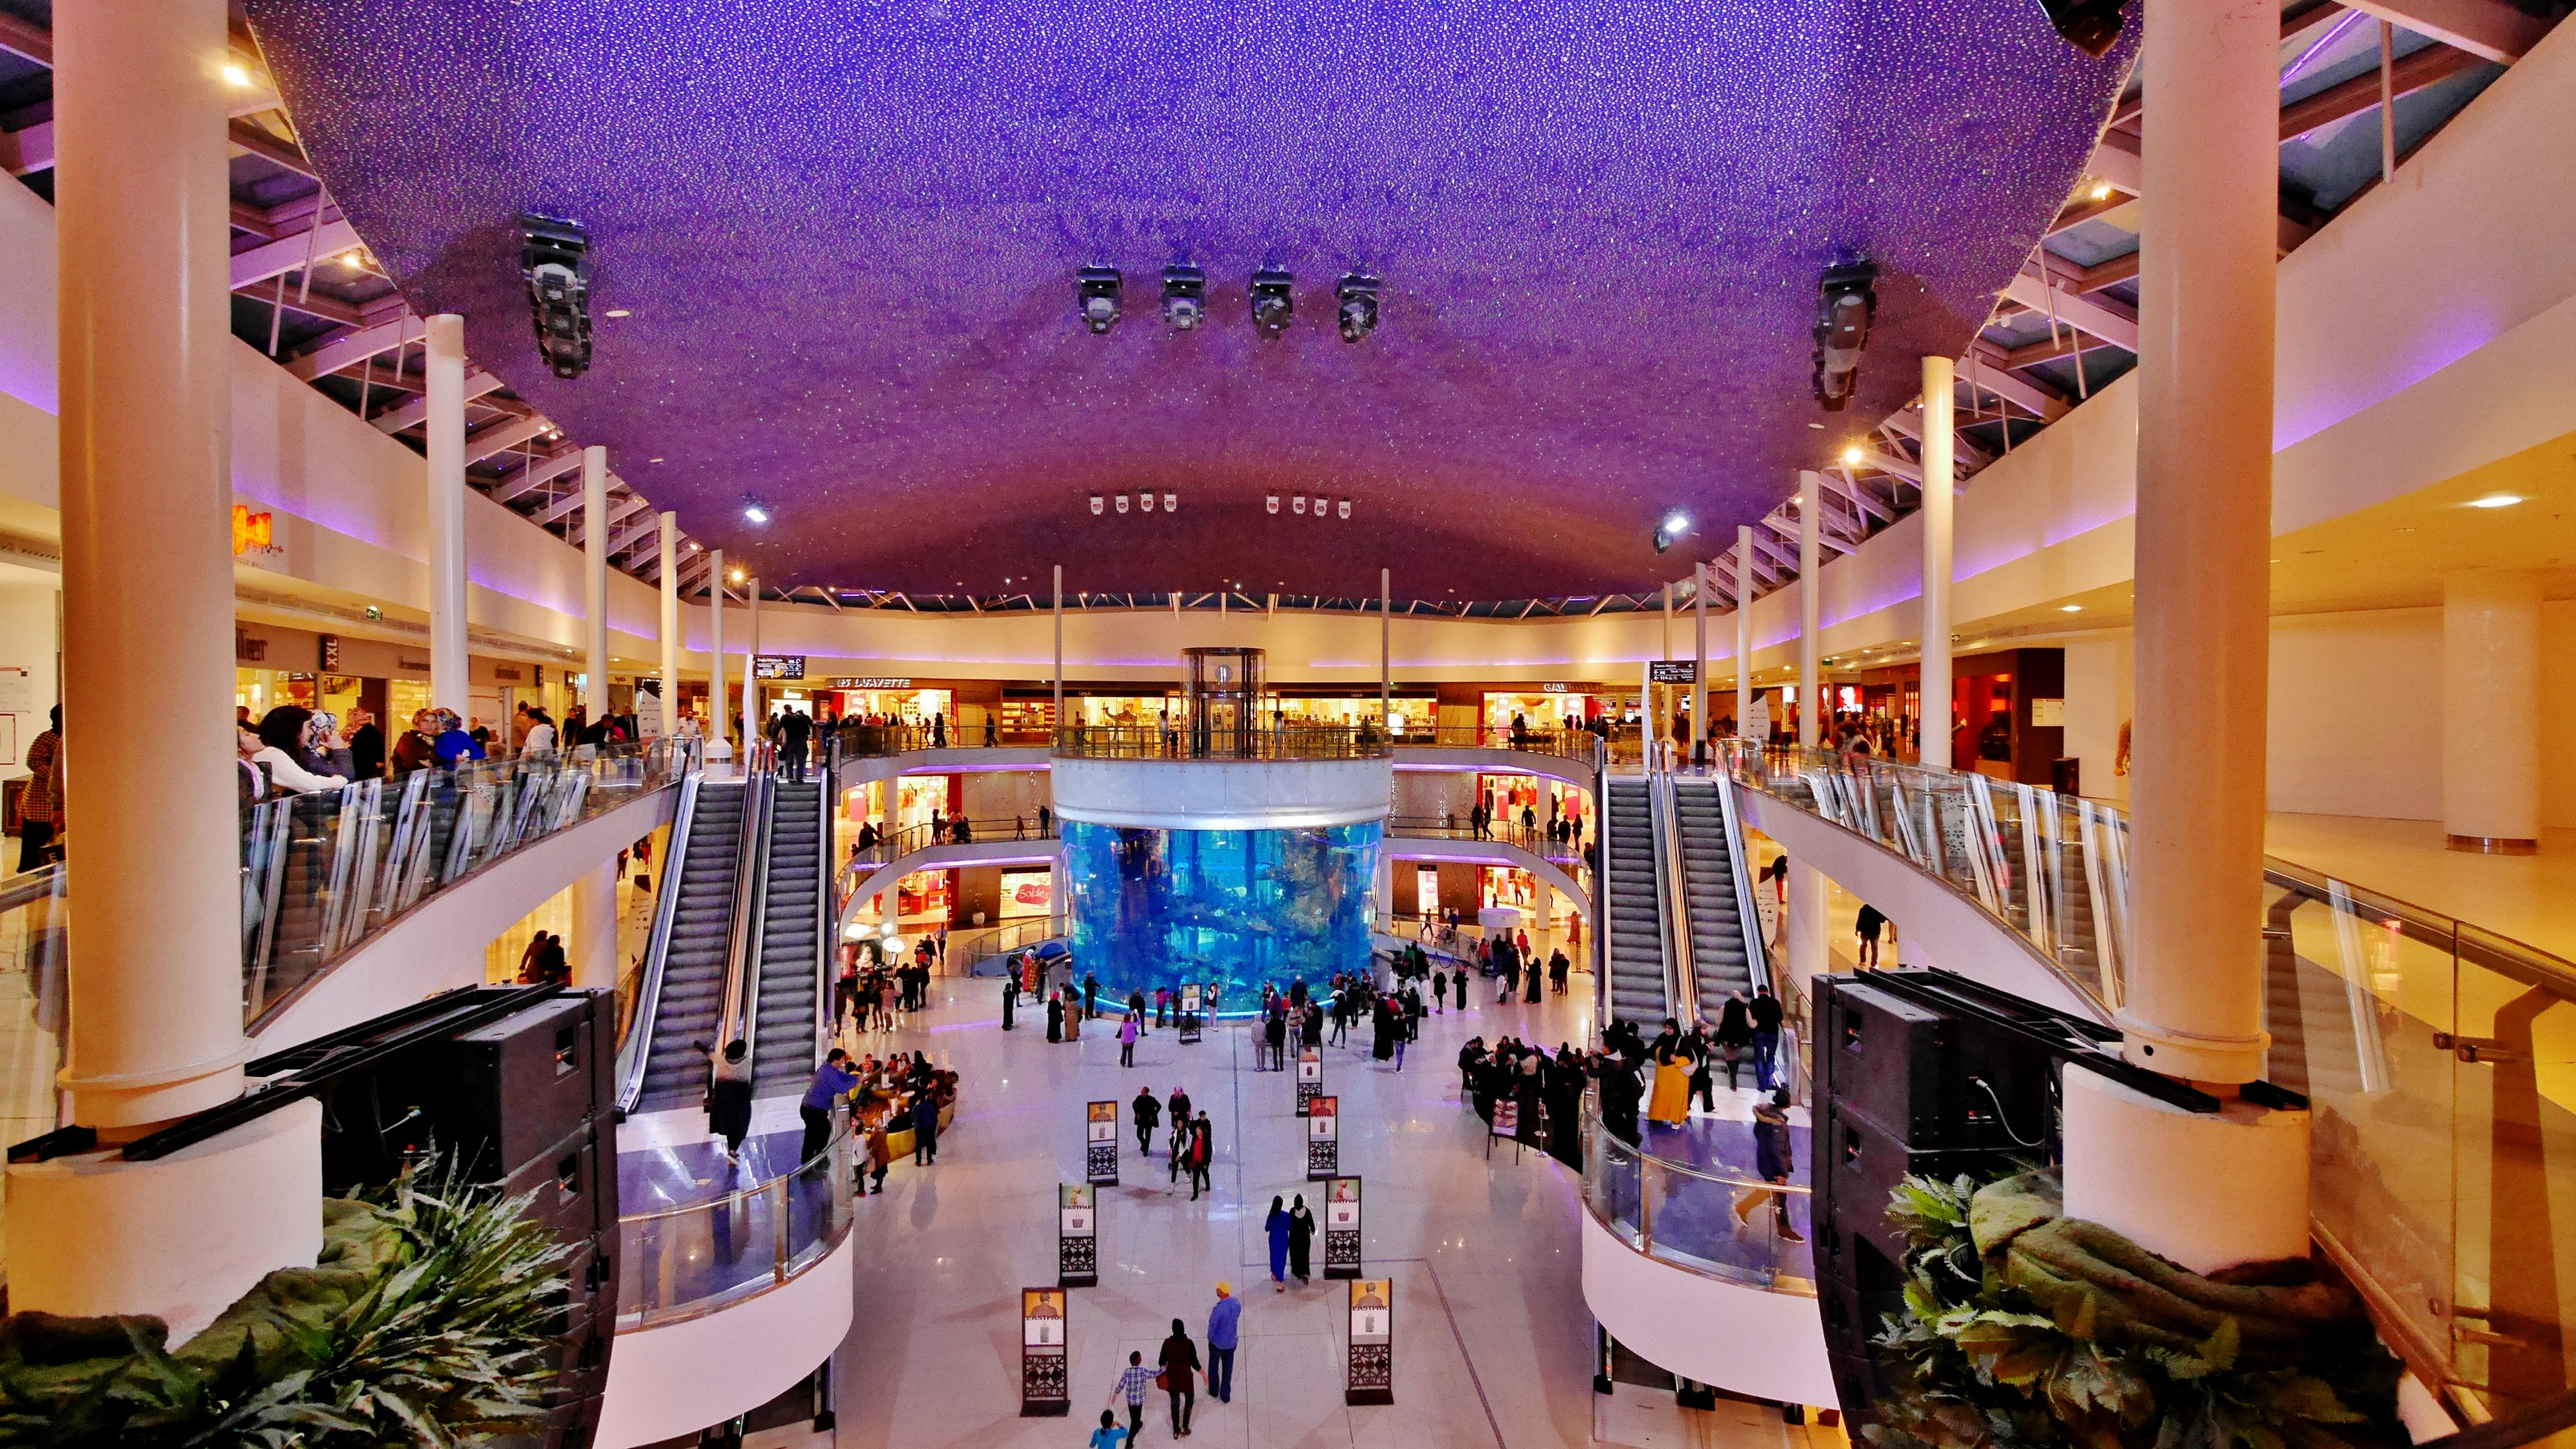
(1565, 855)
(684, 1261)
(1688, 1215)
(323, 871)
(35, 913)
(1179, 740)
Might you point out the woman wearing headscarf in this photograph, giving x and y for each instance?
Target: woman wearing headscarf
(1734, 1035)
(1301, 1238)
(281, 754)
(1277, 1226)
(1671, 1100)
(326, 752)
(729, 1094)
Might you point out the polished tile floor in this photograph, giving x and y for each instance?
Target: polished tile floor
(1493, 1343)
(2531, 898)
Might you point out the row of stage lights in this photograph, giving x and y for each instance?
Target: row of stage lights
(1098, 299)
(1143, 501)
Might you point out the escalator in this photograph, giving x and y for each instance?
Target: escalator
(788, 969)
(1638, 959)
(1719, 960)
(684, 998)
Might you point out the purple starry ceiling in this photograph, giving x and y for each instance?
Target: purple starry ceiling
(847, 235)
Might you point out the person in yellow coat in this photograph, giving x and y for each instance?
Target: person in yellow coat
(1671, 1099)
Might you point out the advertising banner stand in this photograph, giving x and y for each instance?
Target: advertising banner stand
(1077, 1236)
(1342, 1228)
(1310, 1078)
(1371, 1376)
(1100, 1144)
(1506, 1126)
(1193, 1002)
(1323, 1139)
(1045, 1386)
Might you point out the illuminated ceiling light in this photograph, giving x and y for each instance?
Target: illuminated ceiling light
(2496, 500)
(1098, 504)
(236, 75)
(1184, 297)
(752, 511)
(1145, 501)
(656, 460)
(1123, 503)
(619, 312)
(2070, 608)
(1171, 503)
(1271, 503)
(1299, 504)
(1852, 455)
(2101, 191)
(1819, 427)
(1675, 524)
(1095, 296)
(736, 576)
(1344, 508)
(1274, 302)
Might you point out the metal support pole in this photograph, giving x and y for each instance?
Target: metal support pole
(1059, 662)
(1743, 626)
(449, 686)
(1940, 492)
(1811, 685)
(594, 541)
(1386, 652)
(1699, 650)
(670, 624)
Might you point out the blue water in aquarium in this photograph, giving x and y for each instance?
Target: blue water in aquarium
(1234, 907)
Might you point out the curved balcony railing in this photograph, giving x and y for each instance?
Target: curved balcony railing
(1685, 1215)
(1185, 740)
(2439, 1058)
(322, 872)
(969, 949)
(889, 846)
(1566, 855)
(682, 1262)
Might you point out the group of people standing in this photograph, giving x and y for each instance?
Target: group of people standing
(1192, 1145)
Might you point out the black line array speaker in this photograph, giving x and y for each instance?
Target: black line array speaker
(1903, 1087)
(525, 1103)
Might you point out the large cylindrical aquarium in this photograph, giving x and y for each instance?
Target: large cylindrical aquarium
(1236, 908)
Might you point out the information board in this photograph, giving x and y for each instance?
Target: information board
(1077, 1235)
(1193, 1003)
(1310, 1078)
(1673, 671)
(1045, 1387)
(1371, 1376)
(1342, 1228)
(778, 666)
(1323, 1139)
(1100, 1144)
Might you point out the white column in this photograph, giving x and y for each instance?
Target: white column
(2194, 994)
(594, 547)
(670, 624)
(1059, 681)
(1811, 688)
(720, 727)
(1939, 454)
(1810, 952)
(594, 927)
(1385, 647)
(1699, 650)
(2491, 710)
(754, 716)
(449, 686)
(147, 594)
(2206, 1189)
(147, 576)
(1743, 626)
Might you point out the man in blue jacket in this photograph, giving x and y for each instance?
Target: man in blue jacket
(1223, 1322)
(832, 1081)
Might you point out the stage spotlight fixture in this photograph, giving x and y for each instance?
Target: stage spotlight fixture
(2091, 26)
(1145, 501)
(1098, 504)
(554, 260)
(1845, 303)
(1095, 295)
(1274, 301)
(1345, 508)
(752, 511)
(1171, 503)
(1273, 502)
(1122, 502)
(1184, 296)
(1320, 505)
(1357, 292)
(1673, 527)
(1299, 503)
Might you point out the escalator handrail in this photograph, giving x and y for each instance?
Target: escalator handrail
(636, 1051)
(736, 1020)
(1601, 935)
(824, 915)
(1681, 974)
(1748, 919)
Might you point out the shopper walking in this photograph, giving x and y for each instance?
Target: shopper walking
(1301, 1237)
(1202, 1151)
(1149, 1115)
(1180, 1362)
(1133, 1382)
(1734, 1036)
(1276, 1225)
(729, 1094)
(1223, 1322)
(1766, 1038)
(1868, 926)
(1127, 1031)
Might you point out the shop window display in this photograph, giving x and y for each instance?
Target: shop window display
(1233, 907)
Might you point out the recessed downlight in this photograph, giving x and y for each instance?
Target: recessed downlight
(2496, 500)
(2070, 608)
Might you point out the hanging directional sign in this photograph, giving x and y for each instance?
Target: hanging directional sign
(1371, 1377)
(1100, 1144)
(1077, 1235)
(1342, 1228)
(1323, 1139)
(1045, 1388)
(1310, 1078)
